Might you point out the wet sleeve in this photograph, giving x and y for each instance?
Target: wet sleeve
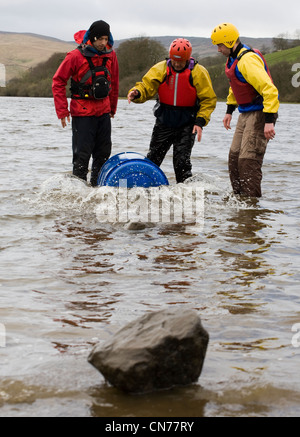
(231, 100)
(205, 93)
(114, 94)
(59, 83)
(150, 83)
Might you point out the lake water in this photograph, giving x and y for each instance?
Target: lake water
(68, 281)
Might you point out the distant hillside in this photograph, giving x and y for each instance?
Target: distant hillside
(202, 47)
(136, 57)
(20, 52)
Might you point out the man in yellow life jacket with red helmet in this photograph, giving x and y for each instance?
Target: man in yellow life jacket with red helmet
(94, 72)
(186, 100)
(254, 93)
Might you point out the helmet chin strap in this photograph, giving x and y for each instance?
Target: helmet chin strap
(233, 48)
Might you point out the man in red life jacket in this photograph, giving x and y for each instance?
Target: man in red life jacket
(94, 72)
(253, 91)
(186, 100)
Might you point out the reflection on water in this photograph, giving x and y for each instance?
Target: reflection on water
(245, 256)
(254, 400)
(68, 281)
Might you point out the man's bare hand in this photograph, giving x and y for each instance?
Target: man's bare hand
(227, 121)
(269, 131)
(132, 95)
(64, 122)
(198, 131)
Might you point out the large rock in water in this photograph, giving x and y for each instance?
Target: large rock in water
(159, 350)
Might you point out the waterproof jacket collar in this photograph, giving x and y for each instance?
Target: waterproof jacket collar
(82, 37)
(235, 53)
(89, 51)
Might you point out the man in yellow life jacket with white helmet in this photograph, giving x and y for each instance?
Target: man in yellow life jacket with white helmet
(253, 92)
(186, 100)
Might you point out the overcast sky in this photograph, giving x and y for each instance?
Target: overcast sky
(132, 18)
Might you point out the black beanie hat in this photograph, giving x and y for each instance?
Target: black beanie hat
(98, 29)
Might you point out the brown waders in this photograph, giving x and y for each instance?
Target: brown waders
(247, 153)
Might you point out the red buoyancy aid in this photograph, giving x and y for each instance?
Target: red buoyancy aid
(75, 66)
(94, 68)
(177, 89)
(244, 93)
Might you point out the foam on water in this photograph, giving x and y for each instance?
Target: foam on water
(63, 191)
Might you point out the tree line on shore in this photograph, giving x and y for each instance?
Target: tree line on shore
(137, 55)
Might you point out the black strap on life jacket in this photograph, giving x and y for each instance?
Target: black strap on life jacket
(245, 52)
(80, 90)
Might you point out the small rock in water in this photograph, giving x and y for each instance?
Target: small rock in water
(135, 226)
(157, 351)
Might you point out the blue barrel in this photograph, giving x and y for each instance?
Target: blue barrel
(133, 170)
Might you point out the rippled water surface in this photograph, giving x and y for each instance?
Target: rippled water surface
(68, 281)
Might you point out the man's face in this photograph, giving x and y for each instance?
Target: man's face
(178, 65)
(224, 50)
(100, 43)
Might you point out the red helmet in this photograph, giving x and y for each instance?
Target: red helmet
(180, 50)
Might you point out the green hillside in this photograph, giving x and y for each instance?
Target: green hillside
(289, 55)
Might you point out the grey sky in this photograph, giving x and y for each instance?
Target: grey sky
(131, 18)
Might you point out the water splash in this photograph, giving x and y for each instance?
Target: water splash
(176, 203)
